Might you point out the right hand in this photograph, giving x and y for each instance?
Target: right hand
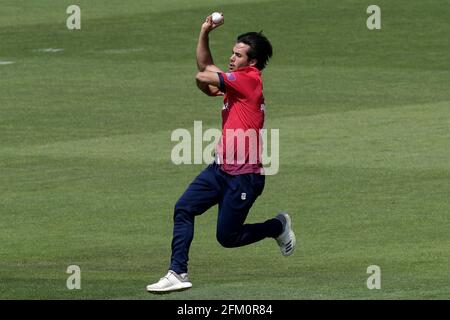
(209, 25)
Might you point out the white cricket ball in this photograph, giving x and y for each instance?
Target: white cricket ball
(216, 17)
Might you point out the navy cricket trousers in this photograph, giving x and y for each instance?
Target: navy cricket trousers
(235, 194)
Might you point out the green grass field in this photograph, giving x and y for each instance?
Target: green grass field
(85, 171)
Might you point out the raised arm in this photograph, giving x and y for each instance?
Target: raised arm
(204, 58)
(205, 61)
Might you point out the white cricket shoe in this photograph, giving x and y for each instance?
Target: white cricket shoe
(286, 240)
(172, 281)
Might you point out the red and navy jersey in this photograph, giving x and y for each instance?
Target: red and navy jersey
(240, 148)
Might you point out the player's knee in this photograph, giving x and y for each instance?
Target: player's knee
(226, 240)
(179, 205)
(181, 208)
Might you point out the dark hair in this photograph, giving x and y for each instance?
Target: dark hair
(260, 47)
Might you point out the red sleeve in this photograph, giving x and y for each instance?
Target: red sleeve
(238, 83)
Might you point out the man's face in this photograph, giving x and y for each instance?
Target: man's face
(239, 58)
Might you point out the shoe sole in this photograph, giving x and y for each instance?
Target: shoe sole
(176, 288)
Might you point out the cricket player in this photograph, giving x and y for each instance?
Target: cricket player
(236, 177)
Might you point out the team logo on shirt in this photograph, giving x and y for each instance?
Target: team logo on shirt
(243, 196)
(230, 76)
